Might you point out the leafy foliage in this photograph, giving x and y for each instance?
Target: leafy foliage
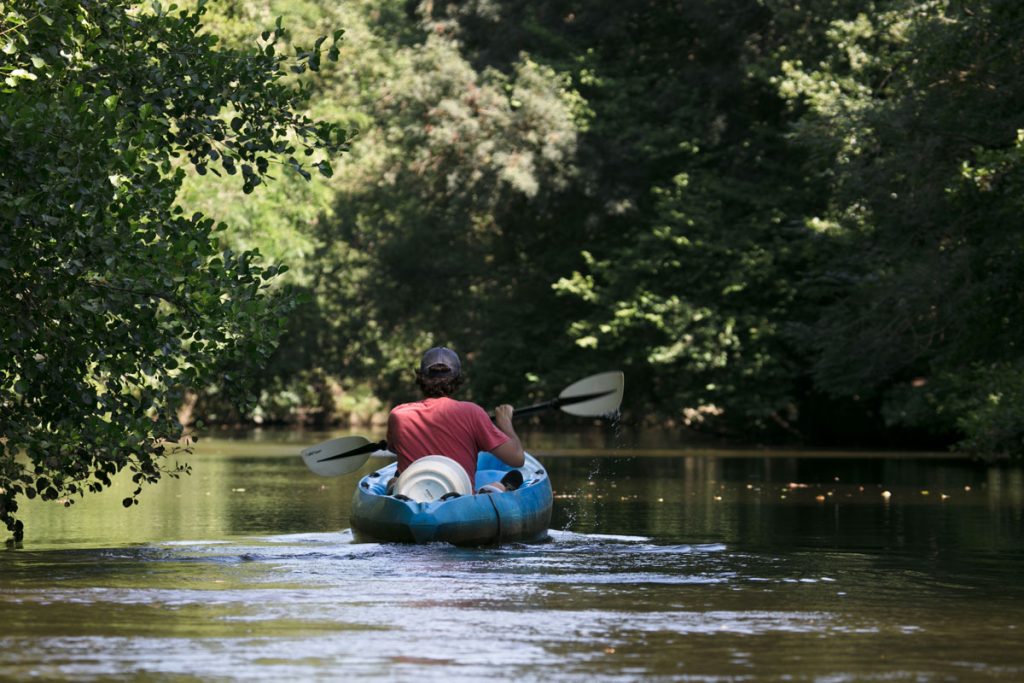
(116, 300)
(449, 183)
(916, 117)
(779, 219)
(447, 194)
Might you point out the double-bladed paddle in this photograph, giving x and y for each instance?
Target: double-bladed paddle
(595, 396)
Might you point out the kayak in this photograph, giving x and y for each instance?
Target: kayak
(481, 519)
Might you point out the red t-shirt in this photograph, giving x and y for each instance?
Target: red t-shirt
(442, 426)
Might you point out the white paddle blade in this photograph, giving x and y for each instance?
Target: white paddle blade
(314, 456)
(605, 389)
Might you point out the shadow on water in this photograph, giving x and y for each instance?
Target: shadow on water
(678, 567)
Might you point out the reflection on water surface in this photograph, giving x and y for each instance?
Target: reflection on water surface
(677, 567)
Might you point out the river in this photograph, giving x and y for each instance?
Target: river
(663, 564)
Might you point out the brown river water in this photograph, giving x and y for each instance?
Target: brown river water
(663, 564)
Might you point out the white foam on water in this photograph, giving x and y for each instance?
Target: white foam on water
(333, 538)
(193, 543)
(573, 536)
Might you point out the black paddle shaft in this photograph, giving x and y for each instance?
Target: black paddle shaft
(361, 450)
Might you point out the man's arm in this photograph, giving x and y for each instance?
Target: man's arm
(510, 452)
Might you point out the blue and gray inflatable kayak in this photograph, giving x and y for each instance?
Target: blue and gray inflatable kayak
(522, 515)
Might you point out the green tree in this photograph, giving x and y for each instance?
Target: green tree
(817, 205)
(778, 218)
(440, 230)
(117, 301)
(693, 193)
(915, 117)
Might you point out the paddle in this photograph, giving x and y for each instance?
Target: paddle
(595, 396)
(342, 455)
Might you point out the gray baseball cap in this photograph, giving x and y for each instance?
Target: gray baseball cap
(440, 361)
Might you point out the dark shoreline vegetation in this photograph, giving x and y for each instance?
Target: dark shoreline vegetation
(795, 224)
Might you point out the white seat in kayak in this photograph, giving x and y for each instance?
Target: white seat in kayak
(431, 477)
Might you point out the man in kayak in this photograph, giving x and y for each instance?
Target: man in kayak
(440, 425)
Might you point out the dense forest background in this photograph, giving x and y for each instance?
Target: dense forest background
(781, 220)
(784, 222)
